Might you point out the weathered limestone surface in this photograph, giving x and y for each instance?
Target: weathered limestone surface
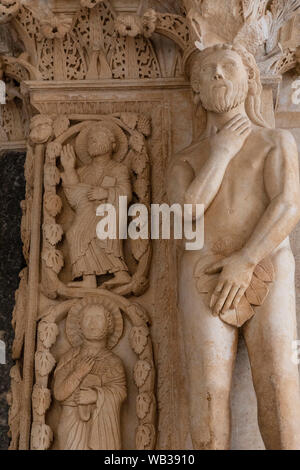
(99, 92)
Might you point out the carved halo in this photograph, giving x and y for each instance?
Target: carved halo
(121, 141)
(73, 328)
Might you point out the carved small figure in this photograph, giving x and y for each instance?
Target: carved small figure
(90, 381)
(100, 180)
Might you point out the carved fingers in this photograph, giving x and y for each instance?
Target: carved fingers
(97, 194)
(235, 277)
(239, 125)
(68, 157)
(85, 396)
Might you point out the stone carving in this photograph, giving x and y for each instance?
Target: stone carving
(90, 381)
(102, 166)
(246, 175)
(100, 180)
(14, 401)
(84, 66)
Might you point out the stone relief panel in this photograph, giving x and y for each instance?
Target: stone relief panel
(87, 147)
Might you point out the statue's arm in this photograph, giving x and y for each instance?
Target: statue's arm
(186, 187)
(281, 177)
(206, 185)
(64, 385)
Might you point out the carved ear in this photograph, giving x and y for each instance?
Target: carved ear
(196, 86)
(114, 146)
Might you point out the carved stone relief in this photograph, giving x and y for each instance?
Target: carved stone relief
(105, 94)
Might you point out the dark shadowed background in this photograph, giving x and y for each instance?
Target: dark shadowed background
(12, 192)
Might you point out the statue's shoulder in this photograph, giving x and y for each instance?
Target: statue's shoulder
(113, 364)
(274, 136)
(118, 169)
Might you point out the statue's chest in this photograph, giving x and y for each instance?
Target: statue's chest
(244, 176)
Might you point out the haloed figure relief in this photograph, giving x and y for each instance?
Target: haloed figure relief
(90, 381)
(101, 180)
(246, 175)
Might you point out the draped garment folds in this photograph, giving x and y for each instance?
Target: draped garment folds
(88, 254)
(96, 426)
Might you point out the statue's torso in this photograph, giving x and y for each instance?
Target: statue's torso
(242, 198)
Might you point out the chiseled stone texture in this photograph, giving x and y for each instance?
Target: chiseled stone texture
(12, 191)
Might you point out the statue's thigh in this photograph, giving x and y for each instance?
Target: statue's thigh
(210, 344)
(270, 334)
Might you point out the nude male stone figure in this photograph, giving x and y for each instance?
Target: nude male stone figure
(247, 177)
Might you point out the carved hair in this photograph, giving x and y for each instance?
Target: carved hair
(105, 138)
(253, 100)
(40, 119)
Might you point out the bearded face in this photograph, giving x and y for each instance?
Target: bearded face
(100, 143)
(222, 81)
(41, 133)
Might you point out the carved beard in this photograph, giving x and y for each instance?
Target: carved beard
(222, 99)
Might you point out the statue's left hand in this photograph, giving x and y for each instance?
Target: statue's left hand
(97, 194)
(85, 397)
(236, 273)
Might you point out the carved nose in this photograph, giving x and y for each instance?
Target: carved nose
(218, 76)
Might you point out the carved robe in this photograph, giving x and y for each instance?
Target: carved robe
(90, 255)
(96, 426)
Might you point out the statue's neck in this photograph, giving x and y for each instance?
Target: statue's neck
(93, 348)
(102, 160)
(216, 121)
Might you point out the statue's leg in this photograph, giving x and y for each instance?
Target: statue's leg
(210, 347)
(269, 337)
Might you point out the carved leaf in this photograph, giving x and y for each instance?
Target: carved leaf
(257, 291)
(41, 436)
(141, 373)
(41, 399)
(143, 403)
(138, 162)
(51, 176)
(207, 283)
(139, 311)
(237, 317)
(144, 125)
(53, 204)
(145, 437)
(53, 233)
(265, 270)
(53, 151)
(44, 362)
(54, 259)
(48, 333)
(138, 338)
(130, 119)
(136, 141)
(60, 125)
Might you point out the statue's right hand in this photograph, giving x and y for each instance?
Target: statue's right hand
(68, 157)
(231, 138)
(85, 366)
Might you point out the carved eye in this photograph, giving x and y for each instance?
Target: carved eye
(229, 66)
